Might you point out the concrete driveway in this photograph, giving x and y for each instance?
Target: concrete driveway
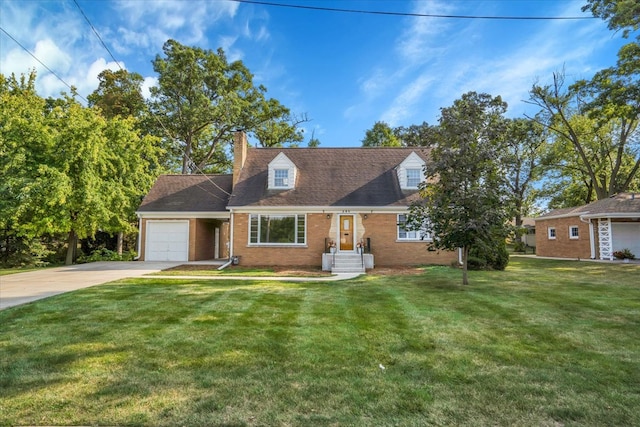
(21, 288)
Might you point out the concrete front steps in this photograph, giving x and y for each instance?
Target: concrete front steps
(347, 263)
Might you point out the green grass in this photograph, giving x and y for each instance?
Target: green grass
(209, 270)
(546, 343)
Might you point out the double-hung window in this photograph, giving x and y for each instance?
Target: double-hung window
(277, 229)
(281, 178)
(551, 233)
(414, 176)
(574, 232)
(408, 233)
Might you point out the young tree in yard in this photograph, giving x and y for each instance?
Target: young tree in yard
(201, 99)
(465, 195)
(381, 135)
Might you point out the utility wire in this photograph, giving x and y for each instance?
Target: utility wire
(419, 15)
(155, 116)
(73, 90)
(97, 35)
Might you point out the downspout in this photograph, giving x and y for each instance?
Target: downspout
(460, 261)
(592, 237)
(139, 245)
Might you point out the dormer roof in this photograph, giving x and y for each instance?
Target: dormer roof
(341, 177)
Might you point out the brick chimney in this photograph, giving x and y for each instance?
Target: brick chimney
(240, 145)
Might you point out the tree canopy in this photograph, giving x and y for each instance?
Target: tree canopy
(65, 168)
(202, 98)
(381, 135)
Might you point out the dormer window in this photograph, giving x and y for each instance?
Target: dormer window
(411, 172)
(414, 177)
(281, 178)
(282, 173)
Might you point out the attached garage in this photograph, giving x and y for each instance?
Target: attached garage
(626, 235)
(167, 241)
(185, 218)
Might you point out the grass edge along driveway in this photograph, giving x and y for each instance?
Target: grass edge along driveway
(544, 343)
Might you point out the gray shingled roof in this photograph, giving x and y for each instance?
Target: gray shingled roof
(327, 177)
(188, 193)
(620, 204)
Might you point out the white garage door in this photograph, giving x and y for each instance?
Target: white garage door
(167, 241)
(627, 236)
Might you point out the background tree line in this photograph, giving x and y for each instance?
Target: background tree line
(486, 170)
(72, 171)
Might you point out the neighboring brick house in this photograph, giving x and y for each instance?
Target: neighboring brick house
(593, 231)
(285, 206)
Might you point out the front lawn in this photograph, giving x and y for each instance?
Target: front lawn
(212, 270)
(546, 343)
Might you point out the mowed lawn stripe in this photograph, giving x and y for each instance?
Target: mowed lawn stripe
(544, 343)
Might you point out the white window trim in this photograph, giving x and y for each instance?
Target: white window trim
(281, 162)
(571, 228)
(420, 235)
(549, 236)
(420, 177)
(412, 161)
(259, 215)
(285, 179)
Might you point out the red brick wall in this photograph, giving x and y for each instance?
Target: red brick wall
(380, 228)
(563, 246)
(388, 251)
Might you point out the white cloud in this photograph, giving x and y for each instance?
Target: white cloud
(148, 83)
(403, 105)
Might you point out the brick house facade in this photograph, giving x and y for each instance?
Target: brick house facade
(593, 231)
(282, 206)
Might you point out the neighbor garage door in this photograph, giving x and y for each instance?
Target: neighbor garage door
(626, 236)
(167, 241)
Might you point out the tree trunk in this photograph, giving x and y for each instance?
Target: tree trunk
(72, 243)
(518, 225)
(119, 244)
(465, 257)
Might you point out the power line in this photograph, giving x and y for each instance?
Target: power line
(97, 34)
(155, 116)
(411, 14)
(73, 90)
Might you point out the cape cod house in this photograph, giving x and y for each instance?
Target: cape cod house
(292, 206)
(593, 231)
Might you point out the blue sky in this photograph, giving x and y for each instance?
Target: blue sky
(345, 71)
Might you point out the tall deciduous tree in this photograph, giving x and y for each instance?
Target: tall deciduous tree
(69, 170)
(381, 135)
(202, 98)
(465, 193)
(620, 14)
(525, 159)
(599, 119)
(416, 135)
(119, 93)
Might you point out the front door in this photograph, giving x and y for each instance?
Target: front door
(346, 232)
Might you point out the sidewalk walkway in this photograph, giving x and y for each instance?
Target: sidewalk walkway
(21, 288)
